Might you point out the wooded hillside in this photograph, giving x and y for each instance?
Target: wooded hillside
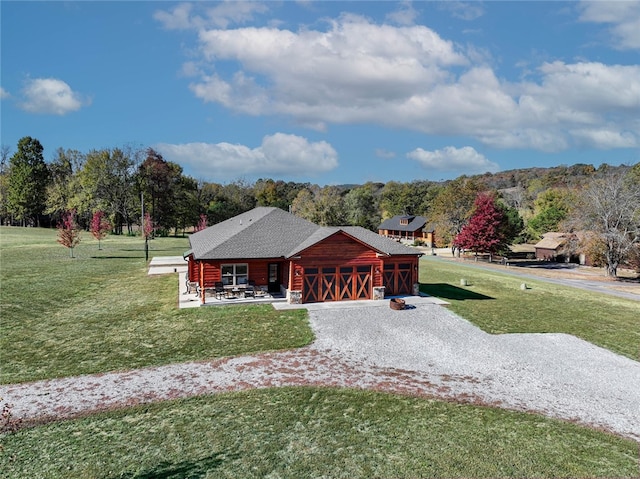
(124, 183)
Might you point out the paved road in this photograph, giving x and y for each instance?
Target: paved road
(604, 287)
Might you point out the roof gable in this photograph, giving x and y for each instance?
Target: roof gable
(379, 244)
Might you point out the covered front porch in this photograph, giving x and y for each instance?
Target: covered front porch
(188, 295)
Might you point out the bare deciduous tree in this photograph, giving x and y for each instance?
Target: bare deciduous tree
(610, 209)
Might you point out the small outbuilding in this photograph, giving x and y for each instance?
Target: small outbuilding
(305, 262)
(564, 247)
(408, 227)
(550, 247)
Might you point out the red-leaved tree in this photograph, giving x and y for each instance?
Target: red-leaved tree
(147, 231)
(68, 231)
(202, 223)
(484, 233)
(100, 226)
(147, 226)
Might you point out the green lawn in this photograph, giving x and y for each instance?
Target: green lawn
(102, 312)
(310, 432)
(495, 302)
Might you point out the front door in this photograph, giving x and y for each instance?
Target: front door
(274, 277)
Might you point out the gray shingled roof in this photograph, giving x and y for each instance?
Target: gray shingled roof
(381, 243)
(266, 232)
(262, 232)
(415, 223)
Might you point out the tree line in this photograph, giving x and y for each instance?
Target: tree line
(124, 183)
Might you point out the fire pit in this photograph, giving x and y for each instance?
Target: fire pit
(397, 303)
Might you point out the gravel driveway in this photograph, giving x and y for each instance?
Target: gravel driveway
(424, 350)
(556, 374)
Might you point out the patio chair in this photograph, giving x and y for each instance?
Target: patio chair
(220, 291)
(191, 285)
(250, 292)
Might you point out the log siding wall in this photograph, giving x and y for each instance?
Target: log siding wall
(335, 251)
(258, 270)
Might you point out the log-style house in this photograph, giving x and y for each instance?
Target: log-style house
(304, 262)
(408, 227)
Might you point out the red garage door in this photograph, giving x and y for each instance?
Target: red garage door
(397, 278)
(336, 283)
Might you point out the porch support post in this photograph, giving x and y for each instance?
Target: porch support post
(290, 285)
(202, 292)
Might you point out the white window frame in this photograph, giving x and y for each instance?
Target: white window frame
(234, 278)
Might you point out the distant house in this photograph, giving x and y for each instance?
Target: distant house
(305, 262)
(562, 248)
(408, 227)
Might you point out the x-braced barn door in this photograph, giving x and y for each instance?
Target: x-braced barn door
(397, 278)
(361, 279)
(337, 284)
(328, 284)
(311, 281)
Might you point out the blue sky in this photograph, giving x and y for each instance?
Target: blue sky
(327, 92)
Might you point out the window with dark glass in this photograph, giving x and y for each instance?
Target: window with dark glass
(235, 274)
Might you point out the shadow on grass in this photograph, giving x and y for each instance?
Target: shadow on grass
(166, 470)
(447, 291)
(117, 257)
(174, 251)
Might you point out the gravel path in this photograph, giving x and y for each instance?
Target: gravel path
(425, 350)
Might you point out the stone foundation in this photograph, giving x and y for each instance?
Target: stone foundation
(295, 297)
(378, 292)
(416, 289)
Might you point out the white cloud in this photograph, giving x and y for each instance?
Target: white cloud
(228, 12)
(51, 96)
(177, 19)
(4, 93)
(279, 155)
(408, 77)
(465, 160)
(404, 15)
(604, 139)
(183, 16)
(341, 75)
(464, 10)
(623, 16)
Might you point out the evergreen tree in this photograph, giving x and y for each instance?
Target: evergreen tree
(27, 182)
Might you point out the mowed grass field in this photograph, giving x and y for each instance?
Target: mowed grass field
(100, 312)
(495, 302)
(311, 433)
